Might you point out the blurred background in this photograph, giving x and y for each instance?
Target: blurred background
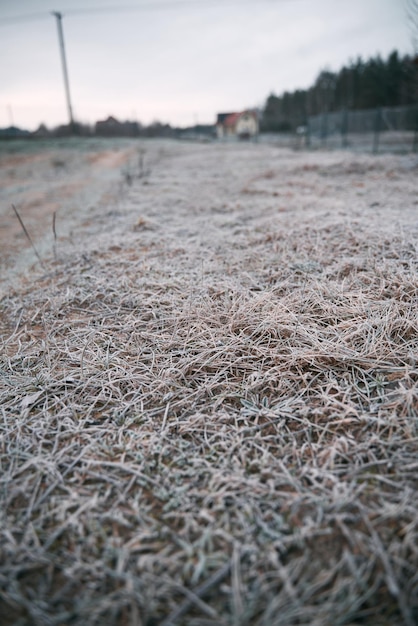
(162, 65)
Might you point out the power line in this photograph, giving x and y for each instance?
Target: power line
(147, 6)
(168, 6)
(31, 17)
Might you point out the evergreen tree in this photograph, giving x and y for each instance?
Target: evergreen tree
(359, 85)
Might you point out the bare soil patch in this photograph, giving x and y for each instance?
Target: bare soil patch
(209, 397)
(62, 177)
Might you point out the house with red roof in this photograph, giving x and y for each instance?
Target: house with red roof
(243, 125)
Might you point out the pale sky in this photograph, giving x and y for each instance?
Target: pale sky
(180, 61)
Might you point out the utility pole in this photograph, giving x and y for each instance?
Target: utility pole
(10, 111)
(58, 17)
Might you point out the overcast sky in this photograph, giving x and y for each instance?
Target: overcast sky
(180, 61)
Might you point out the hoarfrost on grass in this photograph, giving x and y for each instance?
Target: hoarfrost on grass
(209, 399)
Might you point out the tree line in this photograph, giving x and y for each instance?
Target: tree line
(359, 85)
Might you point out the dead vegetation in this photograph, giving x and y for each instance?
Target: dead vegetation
(214, 431)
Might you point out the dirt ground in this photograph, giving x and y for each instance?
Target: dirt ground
(65, 178)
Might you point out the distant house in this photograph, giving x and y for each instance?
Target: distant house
(13, 132)
(243, 125)
(111, 127)
(41, 132)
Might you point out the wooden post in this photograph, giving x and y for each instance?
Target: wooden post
(415, 141)
(377, 125)
(324, 129)
(344, 128)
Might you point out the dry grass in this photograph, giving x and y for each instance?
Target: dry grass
(213, 436)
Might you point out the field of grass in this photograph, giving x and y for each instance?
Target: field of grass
(209, 399)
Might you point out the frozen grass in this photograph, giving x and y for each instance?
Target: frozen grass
(217, 428)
